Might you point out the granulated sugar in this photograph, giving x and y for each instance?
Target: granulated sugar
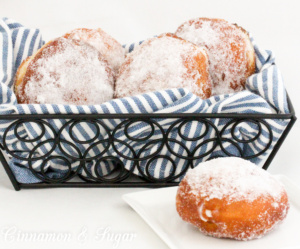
(112, 50)
(228, 47)
(233, 178)
(69, 74)
(162, 63)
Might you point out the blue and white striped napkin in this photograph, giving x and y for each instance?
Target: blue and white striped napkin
(265, 94)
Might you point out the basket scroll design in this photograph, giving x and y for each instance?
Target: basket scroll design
(113, 155)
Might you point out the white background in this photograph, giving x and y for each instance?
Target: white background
(274, 24)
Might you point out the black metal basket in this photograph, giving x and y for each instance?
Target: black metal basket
(126, 178)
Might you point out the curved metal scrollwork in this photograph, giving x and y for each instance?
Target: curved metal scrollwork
(112, 151)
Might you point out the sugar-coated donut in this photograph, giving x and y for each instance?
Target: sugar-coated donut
(164, 62)
(231, 198)
(64, 71)
(110, 48)
(231, 54)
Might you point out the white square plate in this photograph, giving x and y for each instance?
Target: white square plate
(157, 208)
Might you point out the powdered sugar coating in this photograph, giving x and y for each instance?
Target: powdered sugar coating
(231, 198)
(233, 178)
(161, 63)
(231, 55)
(67, 72)
(111, 49)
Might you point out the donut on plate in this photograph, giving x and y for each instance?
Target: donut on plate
(164, 62)
(231, 198)
(64, 71)
(231, 54)
(110, 48)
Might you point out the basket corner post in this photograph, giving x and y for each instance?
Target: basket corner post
(280, 141)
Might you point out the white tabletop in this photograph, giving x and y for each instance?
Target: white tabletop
(99, 218)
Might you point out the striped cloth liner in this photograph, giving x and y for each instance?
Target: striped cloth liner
(265, 93)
